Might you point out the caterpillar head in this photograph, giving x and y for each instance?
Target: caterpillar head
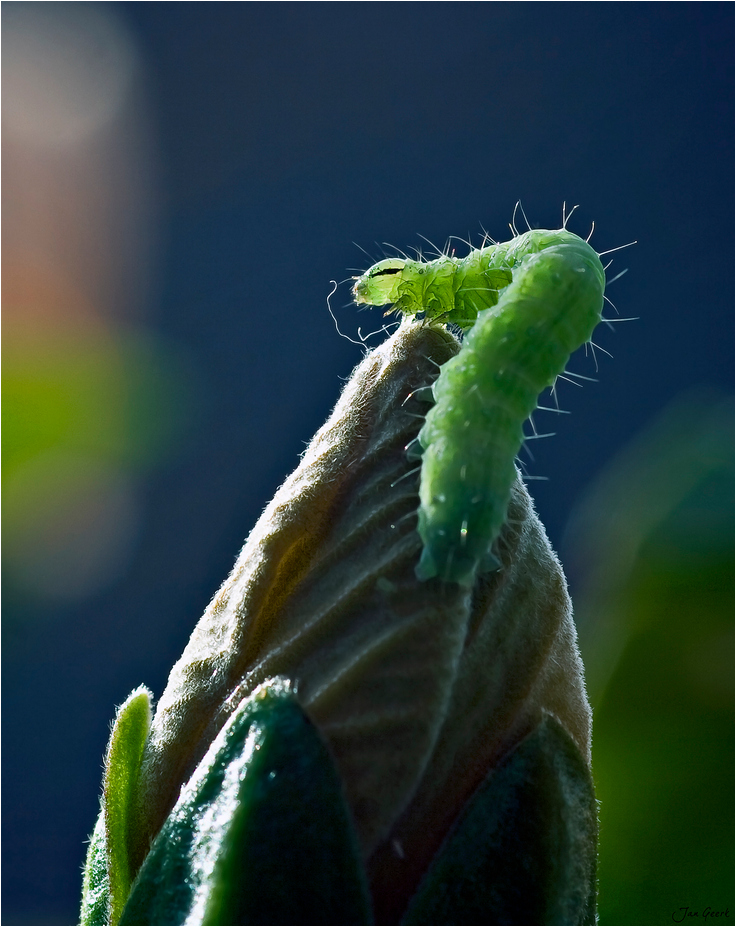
(379, 284)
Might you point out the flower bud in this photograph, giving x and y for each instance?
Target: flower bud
(419, 689)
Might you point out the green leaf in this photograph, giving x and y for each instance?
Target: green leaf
(96, 887)
(122, 765)
(107, 870)
(260, 834)
(524, 849)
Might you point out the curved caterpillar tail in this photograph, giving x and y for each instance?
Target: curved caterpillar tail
(485, 394)
(527, 304)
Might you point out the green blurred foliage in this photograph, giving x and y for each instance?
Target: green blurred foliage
(656, 609)
(109, 396)
(85, 410)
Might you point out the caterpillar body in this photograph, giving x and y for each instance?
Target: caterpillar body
(448, 288)
(528, 304)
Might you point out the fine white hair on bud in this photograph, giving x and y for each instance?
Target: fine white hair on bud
(418, 687)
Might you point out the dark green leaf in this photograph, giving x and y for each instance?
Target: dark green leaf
(261, 833)
(524, 850)
(96, 887)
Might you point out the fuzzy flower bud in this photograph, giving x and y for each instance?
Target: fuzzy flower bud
(418, 689)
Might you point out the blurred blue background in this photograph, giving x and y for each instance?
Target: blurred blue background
(181, 183)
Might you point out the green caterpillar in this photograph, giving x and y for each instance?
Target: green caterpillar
(528, 304)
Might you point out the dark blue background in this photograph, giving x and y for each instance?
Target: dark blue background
(288, 131)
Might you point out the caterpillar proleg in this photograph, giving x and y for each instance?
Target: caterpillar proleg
(526, 305)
